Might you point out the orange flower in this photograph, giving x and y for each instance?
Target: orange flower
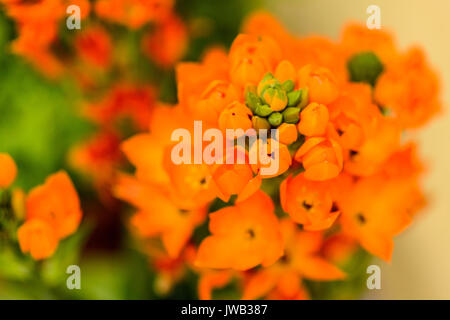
(167, 43)
(375, 211)
(263, 23)
(158, 213)
(33, 44)
(410, 89)
(287, 133)
(204, 89)
(302, 259)
(8, 171)
(313, 120)
(37, 237)
(269, 159)
(235, 179)
(309, 203)
(243, 236)
(321, 157)
(235, 116)
(381, 141)
(321, 83)
(251, 57)
(52, 213)
(320, 51)
(146, 151)
(215, 98)
(192, 183)
(94, 46)
(57, 203)
(285, 71)
(353, 117)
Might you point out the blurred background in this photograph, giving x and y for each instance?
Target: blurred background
(421, 261)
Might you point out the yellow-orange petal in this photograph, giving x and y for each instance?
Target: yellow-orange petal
(37, 237)
(287, 133)
(8, 170)
(308, 145)
(285, 71)
(322, 171)
(313, 120)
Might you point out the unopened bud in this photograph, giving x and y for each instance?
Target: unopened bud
(288, 85)
(263, 110)
(291, 115)
(304, 100)
(260, 123)
(275, 119)
(294, 98)
(267, 81)
(365, 67)
(251, 99)
(276, 98)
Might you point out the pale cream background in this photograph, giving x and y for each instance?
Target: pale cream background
(420, 267)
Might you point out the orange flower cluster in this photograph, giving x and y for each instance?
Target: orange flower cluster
(38, 24)
(345, 176)
(52, 211)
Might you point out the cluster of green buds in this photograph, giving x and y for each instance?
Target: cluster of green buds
(273, 103)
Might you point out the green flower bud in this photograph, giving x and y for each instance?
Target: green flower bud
(294, 98)
(275, 119)
(267, 81)
(260, 123)
(365, 67)
(263, 110)
(252, 100)
(275, 97)
(304, 99)
(291, 115)
(288, 85)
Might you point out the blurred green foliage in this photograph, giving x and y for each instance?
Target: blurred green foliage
(38, 118)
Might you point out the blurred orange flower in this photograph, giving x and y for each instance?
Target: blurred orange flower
(167, 43)
(410, 89)
(161, 216)
(133, 13)
(52, 213)
(301, 259)
(8, 170)
(243, 236)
